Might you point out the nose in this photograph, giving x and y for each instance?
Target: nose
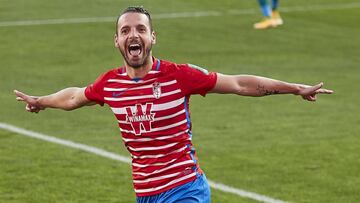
(133, 33)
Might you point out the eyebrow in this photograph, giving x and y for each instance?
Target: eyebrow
(127, 26)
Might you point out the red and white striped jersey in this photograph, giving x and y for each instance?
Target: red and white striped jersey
(154, 120)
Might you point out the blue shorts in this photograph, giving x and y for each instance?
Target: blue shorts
(196, 191)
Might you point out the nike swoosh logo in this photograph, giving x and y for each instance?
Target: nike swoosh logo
(114, 94)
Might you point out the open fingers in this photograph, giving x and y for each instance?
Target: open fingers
(19, 99)
(324, 91)
(313, 89)
(24, 97)
(21, 96)
(316, 89)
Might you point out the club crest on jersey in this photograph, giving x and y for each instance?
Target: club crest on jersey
(156, 90)
(139, 119)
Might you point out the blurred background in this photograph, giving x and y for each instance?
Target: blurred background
(278, 146)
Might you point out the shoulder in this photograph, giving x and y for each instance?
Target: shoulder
(171, 67)
(109, 74)
(102, 79)
(113, 72)
(168, 67)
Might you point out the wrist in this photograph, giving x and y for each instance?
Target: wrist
(40, 102)
(296, 88)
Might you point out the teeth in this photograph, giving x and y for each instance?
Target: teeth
(134, 46)
(135, 49)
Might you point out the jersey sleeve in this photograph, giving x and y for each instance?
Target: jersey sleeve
(195, 80)
(94, 91)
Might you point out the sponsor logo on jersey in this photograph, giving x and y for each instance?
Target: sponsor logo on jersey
(156, 90)
(140, 120)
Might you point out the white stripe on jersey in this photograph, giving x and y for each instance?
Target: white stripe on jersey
(169, 183)
(153, 148)
(138, 88)
(169, 126)
(155, 164)
(155, 107)
(153, 72)
(156, 138)
(150, 72)
(122, 74)
(170, 116)
(140, 97)
(131, 81)
(164, 169)
(169, 105)
(159, 155)
(156, 129)
(157, 178)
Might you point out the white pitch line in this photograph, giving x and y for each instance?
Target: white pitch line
(243, 193)
(117, 157)
(179, 15)
(105, 19)
(67, 143)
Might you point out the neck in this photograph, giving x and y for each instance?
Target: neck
(141, 71)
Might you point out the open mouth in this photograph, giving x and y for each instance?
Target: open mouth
(134, 49)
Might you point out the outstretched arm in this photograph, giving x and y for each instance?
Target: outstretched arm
(249, 85)
(67, 99)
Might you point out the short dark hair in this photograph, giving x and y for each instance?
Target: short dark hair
(134, 9)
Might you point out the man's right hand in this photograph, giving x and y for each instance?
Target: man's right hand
(32, 104)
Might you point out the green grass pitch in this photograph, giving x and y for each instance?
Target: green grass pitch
(278, 146)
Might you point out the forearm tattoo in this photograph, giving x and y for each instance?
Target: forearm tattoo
(263, 91)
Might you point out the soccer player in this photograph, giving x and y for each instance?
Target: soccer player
(150, 100)
(271, 16)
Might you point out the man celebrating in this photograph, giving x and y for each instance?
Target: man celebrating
(150, 99)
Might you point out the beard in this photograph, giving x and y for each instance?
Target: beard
(138, 63)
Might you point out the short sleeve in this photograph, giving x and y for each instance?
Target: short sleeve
(94, 92)
(195, 80)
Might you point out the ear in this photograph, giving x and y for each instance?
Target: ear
(153, 37)
(116, 43)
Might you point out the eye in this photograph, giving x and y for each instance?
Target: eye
(142, 29)
(124, 31)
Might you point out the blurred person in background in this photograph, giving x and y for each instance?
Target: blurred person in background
(271, 15)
